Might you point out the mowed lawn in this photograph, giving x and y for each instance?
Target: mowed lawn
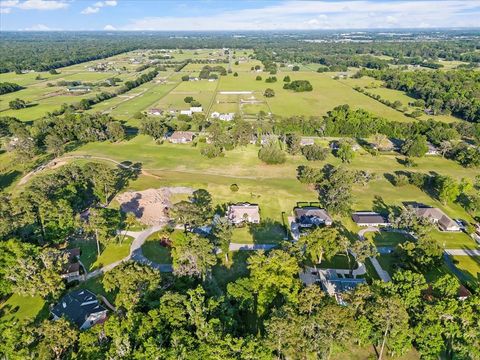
(469, 265)
(155, 251)
(110, 253)
(20, 307)
(386, 238)
(268, 232)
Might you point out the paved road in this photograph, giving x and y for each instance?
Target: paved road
(384, 276)
(361, 233)
(462, 252)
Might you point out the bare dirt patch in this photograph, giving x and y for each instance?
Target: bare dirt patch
(150, 206)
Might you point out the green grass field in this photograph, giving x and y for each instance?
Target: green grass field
(109, 253)
(385, 238)
(22, 307)
(270, 232)
(470, 266)
(153, 250)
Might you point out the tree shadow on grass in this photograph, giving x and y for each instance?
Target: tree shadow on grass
(44, 313)
(225, 273)
(269, 231)
(7, 179)
(381, 207)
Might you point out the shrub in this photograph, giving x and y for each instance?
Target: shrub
(269, 93)
(400, 180)
(271, 154)
(211, 151)
(314, 152)
(234, 187)
(258, 78)
(299, 86)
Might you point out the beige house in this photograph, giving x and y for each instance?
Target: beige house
(438, 217)
(240, 213)
(181, 137)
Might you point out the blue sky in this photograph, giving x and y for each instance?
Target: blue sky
(235, 15)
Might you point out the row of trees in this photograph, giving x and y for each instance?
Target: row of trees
(443, 92)
(53, 134)
(7, 87)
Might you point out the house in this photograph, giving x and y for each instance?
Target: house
(196, 109)
(369, 218)
(463, 293)
(304, 141)
(71, 270)
(246, 212)
(437, 216)
(388, 145)
(336, 286)
(155, 112)
(186, 112)
(432, 150)
(79, 89)
(224, 116)
(309, 216)
(80, 307)
(264, 139)
(335, 145)
(181, 137)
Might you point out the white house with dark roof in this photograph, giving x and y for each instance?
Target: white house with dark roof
(81, 307)
(240, 213)
(369, 218)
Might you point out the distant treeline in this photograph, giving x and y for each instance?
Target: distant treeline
(45, 51)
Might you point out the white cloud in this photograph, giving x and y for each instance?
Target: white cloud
(90, 10)
(96, 7)
(298, 15)
(41, 5)
(5, 10)
(109, 27)
(39, 27)
(8, 3)
(106, 3)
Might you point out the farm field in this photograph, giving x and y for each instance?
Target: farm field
(168, 95)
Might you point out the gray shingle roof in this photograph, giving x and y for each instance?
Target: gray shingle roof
(77, 306)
